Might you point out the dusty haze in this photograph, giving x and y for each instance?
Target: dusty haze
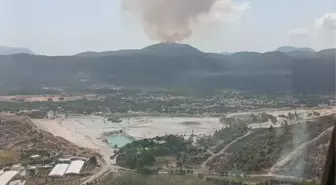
(169, 20)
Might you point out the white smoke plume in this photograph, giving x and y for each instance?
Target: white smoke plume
(327, 22)
(174, 20)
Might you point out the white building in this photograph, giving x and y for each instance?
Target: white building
(35, 157)
(59, 170)
(75, 167)
(61, 160)
(7, 176)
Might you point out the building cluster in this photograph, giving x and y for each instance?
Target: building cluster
(61, 168)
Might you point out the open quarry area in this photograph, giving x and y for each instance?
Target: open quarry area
(93, 127)
(88, 131)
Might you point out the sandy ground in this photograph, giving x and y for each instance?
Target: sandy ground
(79, 128)
(68, 130)
(147, 127)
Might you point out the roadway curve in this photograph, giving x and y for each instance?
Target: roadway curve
(204, 164)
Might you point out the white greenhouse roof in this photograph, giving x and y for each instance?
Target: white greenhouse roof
(59, 170)
(64, 160)
(35, 156)
(7, 176)
(75, 167)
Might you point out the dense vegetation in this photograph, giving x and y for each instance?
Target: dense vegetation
(144, 153)
(178, 102)
(242, 120)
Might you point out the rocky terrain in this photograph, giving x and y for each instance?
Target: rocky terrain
(20, 134)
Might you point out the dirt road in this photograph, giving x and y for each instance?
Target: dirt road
(203, 165)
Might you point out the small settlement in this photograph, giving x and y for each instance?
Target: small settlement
(71, 170)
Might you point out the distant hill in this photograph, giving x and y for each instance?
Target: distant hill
(226, 53)
(11, 50)
(328, 54)
(298, 52)
(109, 53)
(286, 49)
(172, 49)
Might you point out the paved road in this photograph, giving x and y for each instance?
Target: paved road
(203, 165)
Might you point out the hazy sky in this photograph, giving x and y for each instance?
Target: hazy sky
(62, 27)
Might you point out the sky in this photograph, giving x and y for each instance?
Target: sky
(66, 27)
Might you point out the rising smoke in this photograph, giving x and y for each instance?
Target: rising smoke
(169, 20)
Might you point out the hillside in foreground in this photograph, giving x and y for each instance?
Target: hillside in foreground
(282, 150)
(18, 134)
(309, 161)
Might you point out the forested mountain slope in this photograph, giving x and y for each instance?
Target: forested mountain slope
(162, 66)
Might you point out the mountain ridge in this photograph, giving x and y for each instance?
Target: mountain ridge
(247, 71)
(155, 49)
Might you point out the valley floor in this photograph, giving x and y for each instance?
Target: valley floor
(86, 131)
